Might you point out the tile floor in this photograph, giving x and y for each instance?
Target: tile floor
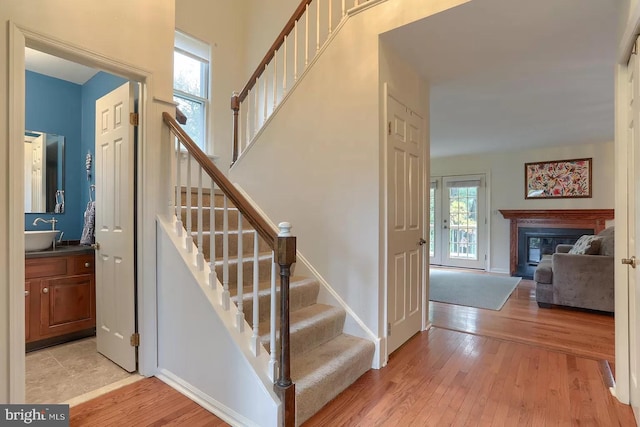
(57, 374)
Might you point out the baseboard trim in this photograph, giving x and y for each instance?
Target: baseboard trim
(220, 410)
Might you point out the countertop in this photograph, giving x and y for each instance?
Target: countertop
(62, 250)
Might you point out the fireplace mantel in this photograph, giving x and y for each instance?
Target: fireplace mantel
(560, 218)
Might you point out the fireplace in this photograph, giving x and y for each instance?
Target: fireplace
(534, 242)
(580, 221)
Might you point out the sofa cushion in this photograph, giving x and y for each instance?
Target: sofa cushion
(586, 245)
(544, 272)
(607, 243)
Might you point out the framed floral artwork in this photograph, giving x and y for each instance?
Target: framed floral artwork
(557, 179)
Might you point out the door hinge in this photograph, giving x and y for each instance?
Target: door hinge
(134, 119)
(389, 128)
(135, 340)
(389, 329)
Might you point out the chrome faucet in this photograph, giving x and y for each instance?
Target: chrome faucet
(51, 221)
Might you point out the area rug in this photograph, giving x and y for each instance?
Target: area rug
(470, 289)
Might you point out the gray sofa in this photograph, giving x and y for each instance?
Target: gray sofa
(584, 281)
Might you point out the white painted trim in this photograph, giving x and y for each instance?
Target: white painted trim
(368, 333)
(167, 102)
(632, 27)
(220, 410)
(15, 232)
(22, 37)
(364, 6)
(621, 285)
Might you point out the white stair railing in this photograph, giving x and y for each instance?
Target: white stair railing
(187, 209)
(306, 33)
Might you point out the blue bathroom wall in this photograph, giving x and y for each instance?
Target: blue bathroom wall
(54, 106)
(95, 88)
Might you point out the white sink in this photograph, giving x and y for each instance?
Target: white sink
(39, 240)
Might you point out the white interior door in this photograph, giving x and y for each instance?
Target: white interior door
(405, 243)
(115, 280)
(634, 220)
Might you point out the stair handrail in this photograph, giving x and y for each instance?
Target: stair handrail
(237, 99)
(264, 228)
(283, 245)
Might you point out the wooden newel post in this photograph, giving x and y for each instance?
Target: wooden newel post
(284, 387)
(235, 106)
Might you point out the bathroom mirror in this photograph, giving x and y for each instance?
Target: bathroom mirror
(43, 172)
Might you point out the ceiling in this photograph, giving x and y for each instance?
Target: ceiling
(59, 68)
(515, 74)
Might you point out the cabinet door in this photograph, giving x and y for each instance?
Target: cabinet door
(67, 305)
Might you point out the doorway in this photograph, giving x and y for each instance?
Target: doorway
(457, 224)
(18, 72)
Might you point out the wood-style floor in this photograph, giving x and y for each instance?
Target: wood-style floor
(515, 367)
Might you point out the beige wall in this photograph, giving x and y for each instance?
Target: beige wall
(138, 34)
(506, 186)
(223, 25)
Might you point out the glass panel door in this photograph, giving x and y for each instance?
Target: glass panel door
(463, 223)
(435, 214)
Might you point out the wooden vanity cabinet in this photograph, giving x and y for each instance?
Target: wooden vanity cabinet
(59, 296)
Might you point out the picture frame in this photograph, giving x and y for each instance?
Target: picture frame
(558, 179)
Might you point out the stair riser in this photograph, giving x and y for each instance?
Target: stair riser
(311, 337)
(264, 272)
(219, 219)
(247, 245)
(299, 296)
(218, 198)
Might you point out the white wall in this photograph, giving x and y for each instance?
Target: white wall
(317, 164)
(197, 345)
(506, 186)
(138, 34)
(222, 24)
(265, 20)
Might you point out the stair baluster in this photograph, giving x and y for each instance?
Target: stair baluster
(255, 337)
(273, 320)
(188, 240)
(225, 253)
(213, 276)
(178, 190)
(240, 281)
(200, 256)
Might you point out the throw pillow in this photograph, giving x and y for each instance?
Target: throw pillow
(586, 245)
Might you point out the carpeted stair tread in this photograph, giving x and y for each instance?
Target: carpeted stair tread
(310, 327)
(324, 372)
(303, 291)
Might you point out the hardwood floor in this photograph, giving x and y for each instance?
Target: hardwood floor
(518, 366)
(148, 402)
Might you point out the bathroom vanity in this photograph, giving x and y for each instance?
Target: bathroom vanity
(60, 302)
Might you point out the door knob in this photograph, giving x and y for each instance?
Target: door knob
(421, 242)
(96, 246)
(45, 290)
(630, 261)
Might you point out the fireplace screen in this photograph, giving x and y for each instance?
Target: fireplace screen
(534, 243)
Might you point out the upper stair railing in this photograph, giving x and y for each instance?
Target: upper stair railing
(282, 244)
(306, 32)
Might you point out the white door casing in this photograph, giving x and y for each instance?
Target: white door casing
(114, 227)
(405, 218)
(633, 139)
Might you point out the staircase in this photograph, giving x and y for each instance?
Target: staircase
(324, 360)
